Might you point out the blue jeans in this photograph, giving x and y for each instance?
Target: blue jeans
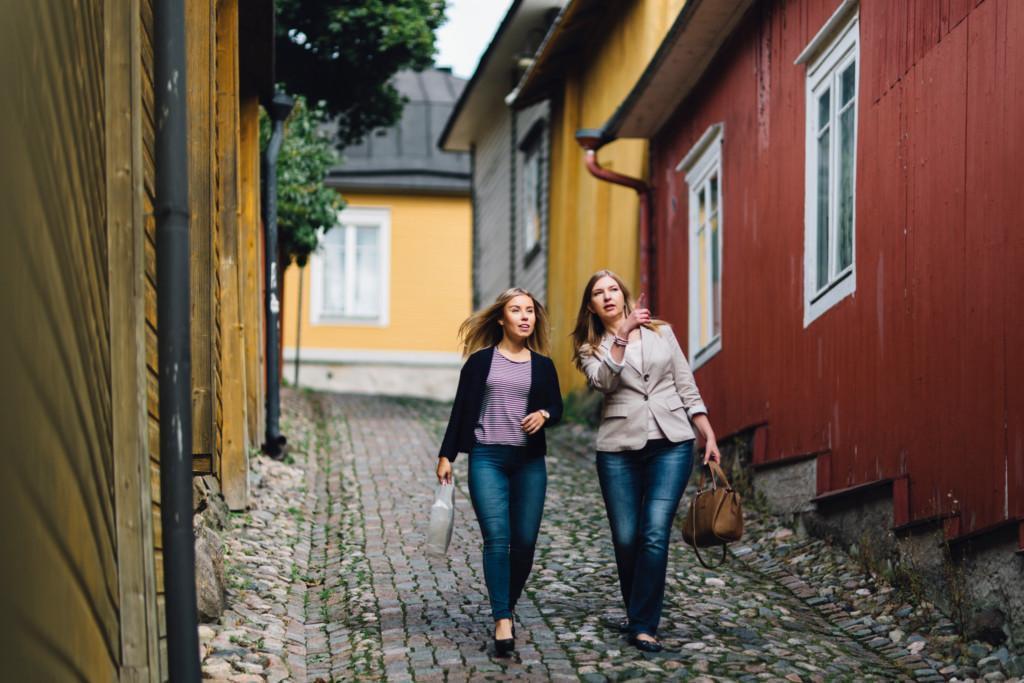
(507, 487)
(641, 492)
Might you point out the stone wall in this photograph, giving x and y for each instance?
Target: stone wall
(210, 519)
(979, 585)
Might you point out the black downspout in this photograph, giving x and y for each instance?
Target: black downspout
(278, 108)
(174, 342)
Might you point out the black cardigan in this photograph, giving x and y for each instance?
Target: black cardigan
(460, 437)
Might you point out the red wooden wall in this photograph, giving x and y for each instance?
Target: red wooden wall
(920, 373)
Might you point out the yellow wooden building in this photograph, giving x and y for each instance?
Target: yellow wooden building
(80, 501)
(589, 61)
(390, 283)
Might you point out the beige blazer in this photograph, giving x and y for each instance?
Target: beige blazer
(664, 387)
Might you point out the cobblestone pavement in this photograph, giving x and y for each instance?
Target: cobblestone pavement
(361, 600)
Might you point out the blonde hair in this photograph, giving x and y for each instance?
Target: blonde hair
(481, 330)
(586, 337)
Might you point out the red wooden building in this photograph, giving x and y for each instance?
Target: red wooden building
(838, 223)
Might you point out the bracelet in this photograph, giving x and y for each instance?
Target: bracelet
(619, 341)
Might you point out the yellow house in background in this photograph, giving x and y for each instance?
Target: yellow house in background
(589, 61)
(391, 282)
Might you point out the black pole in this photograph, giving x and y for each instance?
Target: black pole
(298, 325)
(174, 343)
(278, 108)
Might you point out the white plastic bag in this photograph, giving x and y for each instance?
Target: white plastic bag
(442, 519)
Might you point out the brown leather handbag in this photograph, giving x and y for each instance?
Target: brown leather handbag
(715, 516)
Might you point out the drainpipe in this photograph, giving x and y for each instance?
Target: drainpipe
(278, 108)
(591, 140)
(173, 341)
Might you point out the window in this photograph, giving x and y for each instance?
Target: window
(703, 168)
(831, 158)
(350, 269)
(531, 210)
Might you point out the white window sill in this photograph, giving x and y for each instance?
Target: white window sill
(332, 321)
(707, 353)
(841, 287)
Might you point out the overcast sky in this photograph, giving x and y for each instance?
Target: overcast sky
(470, 27)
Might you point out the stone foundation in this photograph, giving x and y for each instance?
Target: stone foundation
(978, 584)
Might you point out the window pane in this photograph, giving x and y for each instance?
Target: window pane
(531, 197)
(716, 276)
(713, 191)
(846, 171)
(702, 287)
(824, 108)
(367, 280)
(849, 82)
(822, 208)
(333, 254)
(701, 209)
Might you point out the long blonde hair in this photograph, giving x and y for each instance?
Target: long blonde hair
(589, 331)
(482, 330)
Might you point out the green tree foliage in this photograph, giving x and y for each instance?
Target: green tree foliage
(344, 53)
(305, 206)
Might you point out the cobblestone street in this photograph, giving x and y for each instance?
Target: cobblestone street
(357, 598)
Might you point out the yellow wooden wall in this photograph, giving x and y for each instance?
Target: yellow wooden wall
(80, 501)
(430, 280)
(594, 224)
(57, 491)
(251, 264)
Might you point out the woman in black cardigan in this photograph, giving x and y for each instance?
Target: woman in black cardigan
(508, 394)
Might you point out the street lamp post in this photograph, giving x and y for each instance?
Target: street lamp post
(278, 108)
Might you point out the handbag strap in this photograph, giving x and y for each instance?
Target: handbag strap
(693, 511)
(716, 472)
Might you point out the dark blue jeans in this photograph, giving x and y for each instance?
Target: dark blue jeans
(507, 487)
(641, 494)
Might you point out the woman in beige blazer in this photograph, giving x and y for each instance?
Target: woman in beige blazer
(645, 441)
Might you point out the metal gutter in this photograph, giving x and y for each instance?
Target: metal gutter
(278, 108)
(591, 140)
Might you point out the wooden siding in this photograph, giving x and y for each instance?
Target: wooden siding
(912, 375)
(499, 254)
(130, 334)
(60, 610)
(250, 245)
(234, 465)
(531, 269)
(492, 186)
(199, 17)
(593, 224)
(151, 331)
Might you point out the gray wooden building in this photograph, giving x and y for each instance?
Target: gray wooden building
(510, 153)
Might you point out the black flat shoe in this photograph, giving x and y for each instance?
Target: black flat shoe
(620, 625)
(645, 645)
(504, 647)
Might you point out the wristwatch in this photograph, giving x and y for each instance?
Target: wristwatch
(546, 414)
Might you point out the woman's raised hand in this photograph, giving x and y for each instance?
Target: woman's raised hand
(640, 316)
(444, 471)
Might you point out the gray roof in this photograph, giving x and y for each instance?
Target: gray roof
(404, 157)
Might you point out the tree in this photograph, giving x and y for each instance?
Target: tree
(305, 206)
(345, 52)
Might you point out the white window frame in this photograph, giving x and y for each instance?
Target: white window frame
(831, 51)
(379, 216)
(702, 161)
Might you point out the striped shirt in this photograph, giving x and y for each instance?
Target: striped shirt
(504, 407)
